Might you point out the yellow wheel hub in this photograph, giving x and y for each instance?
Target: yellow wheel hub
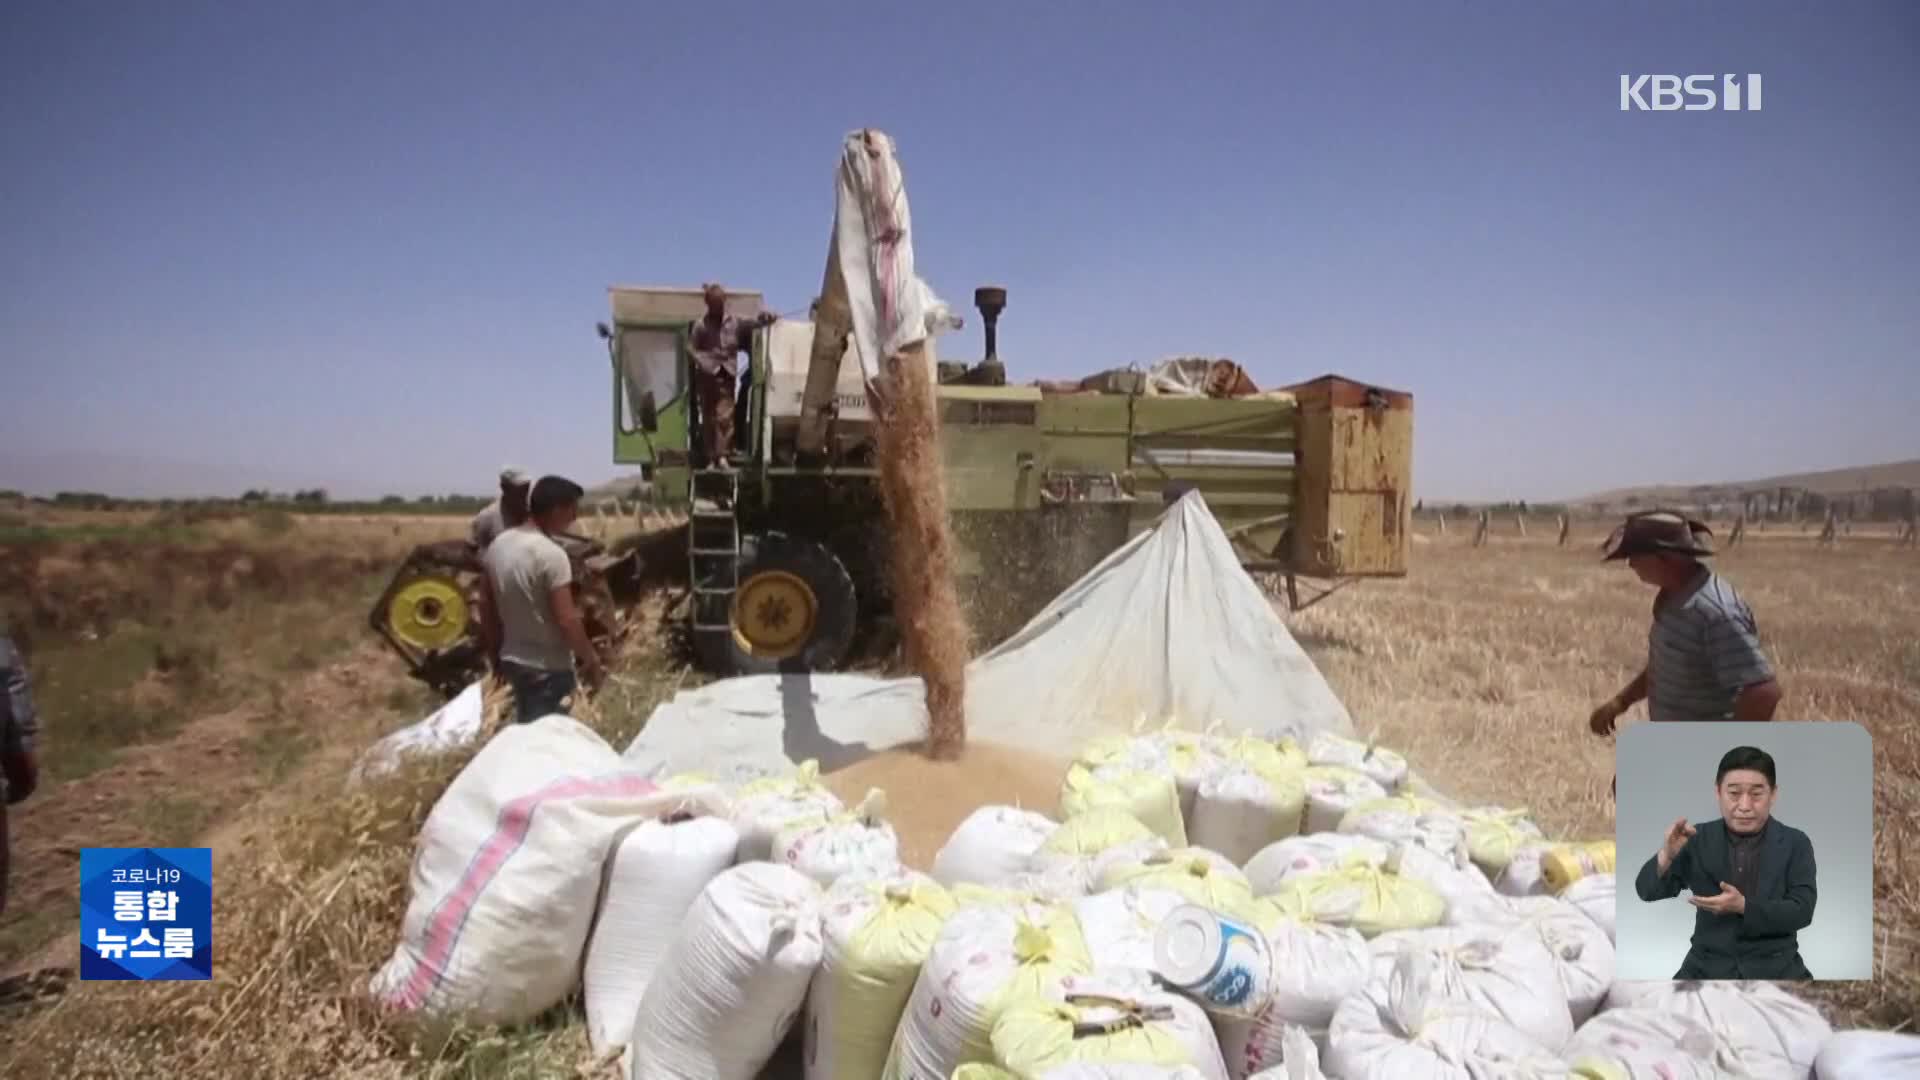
(430, 613)
(774, 614)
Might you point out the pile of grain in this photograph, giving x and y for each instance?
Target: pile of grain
(927, 800)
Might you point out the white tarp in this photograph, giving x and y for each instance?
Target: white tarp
(1167, 625)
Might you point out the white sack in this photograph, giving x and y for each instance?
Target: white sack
(877, 934)
(1239, 811)
(763, 808)
(1400, 1028)
(1645, 1044)
(993, 846)
(1523, 874)
(1867, 1055)
(1765, 1029)
(1503, 971)
(1332, 790)
(1299, 1060)
(1594, 897)
(449, 727)
(506, 871)
(857, 845)
(1119, 925)
(1377, 763)
(1466, 890)
(1309, 853)
(987, 955)
(734, 980)
(1409, 819)
(1581, 951)
(1315, 967)
(1125, 639)
(870, 272)
(651, 880)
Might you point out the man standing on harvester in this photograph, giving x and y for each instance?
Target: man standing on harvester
(716, 342)
(503, 513)
(530, 626)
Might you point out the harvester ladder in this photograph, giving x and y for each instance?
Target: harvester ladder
(713, 550)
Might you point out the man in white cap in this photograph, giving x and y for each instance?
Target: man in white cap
(503, 513)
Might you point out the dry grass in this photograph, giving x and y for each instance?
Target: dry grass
(1482, 666)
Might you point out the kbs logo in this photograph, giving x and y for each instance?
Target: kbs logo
(1694, 93)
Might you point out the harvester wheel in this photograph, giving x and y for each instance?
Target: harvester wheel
(795, 610)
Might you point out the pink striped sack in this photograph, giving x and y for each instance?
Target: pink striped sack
(507, 869)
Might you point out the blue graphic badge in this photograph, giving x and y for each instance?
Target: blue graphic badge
(146, 913)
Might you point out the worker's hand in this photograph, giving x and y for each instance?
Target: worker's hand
(1678, 834)
(1728, 901)
(593, 675)
(1604, 718)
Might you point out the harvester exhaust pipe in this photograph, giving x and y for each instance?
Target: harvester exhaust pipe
(991, 300)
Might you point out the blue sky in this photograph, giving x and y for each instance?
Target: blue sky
(365, 245)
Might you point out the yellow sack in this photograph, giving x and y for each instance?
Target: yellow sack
(1494, 835)
(1105, 1019)
(1150, 797)
(1564, 864)
(764, 807)
(1409, 819)
(1093, 832)
(1202, 876)
(1282, 755)
(1370, 899)
(982, 1072)
(877, 934)
(985, 958)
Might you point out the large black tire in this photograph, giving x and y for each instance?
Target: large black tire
(834, 610)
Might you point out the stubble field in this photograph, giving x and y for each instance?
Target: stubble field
(217, 686)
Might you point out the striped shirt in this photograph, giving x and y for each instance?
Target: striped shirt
(1703, 650)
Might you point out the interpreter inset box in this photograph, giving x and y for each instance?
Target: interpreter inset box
(1745, 851)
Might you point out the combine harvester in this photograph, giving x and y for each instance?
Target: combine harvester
(1050, 488)
(1043, 481)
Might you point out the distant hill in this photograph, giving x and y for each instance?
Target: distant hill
(1892, 474)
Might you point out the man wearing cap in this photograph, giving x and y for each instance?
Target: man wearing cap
(529, 624)
(716, 342)
(1704, 660)
(503, 513)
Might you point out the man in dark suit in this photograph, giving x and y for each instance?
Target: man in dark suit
(1751, 876)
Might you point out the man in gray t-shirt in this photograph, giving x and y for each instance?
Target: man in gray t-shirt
(530, 625)
(503, 513)
(1704, 660)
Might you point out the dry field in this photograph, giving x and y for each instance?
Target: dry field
(1482, 665)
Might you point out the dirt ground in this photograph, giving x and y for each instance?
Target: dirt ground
(1481, 665)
